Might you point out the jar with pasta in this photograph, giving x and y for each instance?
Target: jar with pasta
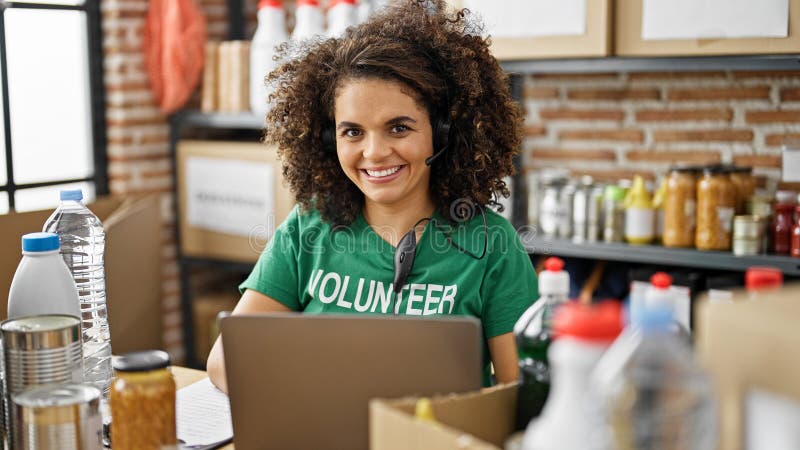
(745, 185)
(716, 205)
(142, 402)
(680, 207)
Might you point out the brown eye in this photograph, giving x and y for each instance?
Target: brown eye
(351, 133)
(398, 129)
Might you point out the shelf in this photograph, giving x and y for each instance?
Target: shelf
(652, 254)
(654, 64)
(236, 121)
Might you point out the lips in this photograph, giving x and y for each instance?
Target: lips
(382, 174)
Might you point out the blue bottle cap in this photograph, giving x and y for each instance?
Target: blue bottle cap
(40, 242)
(652, 317)
(71, 194)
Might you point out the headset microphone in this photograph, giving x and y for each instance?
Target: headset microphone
(430, 159)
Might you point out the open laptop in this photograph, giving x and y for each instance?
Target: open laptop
(301, 381)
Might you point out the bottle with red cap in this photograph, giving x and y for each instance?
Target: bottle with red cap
(533, 335)
(582, 334)
(763, 282)
(341, 14)
(661, 292)
(309, 20)
(270, 33)
(648, 392)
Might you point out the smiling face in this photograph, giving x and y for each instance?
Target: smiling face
(383, 136)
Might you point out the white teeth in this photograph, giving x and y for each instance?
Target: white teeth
(382, 173)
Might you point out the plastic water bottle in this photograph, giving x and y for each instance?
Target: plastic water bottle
(42, 283)
(533, 335)
(582, 334)
(661, 293)
(364, 10)
(82, 246)
(309, 20)
(647, 392)
(270, 33)
(341, 15)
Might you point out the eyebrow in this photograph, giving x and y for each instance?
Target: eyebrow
(392, 121)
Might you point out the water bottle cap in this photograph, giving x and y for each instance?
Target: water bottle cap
(763, 278)
(141, 361)
(40, 242)
(655, 316)
(661, 280)
(554, 264)
(597, 323)
(71, 194)
(334, 3)
(270, 4)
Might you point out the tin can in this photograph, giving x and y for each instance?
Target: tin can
(58, 418)
(580, 209)
(594, 214)
(549, 211)
(747, 235)
(39, 351)
(565, 211)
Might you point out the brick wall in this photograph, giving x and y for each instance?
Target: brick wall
(138, 134)
(613, 125)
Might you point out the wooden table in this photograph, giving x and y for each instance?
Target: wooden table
(184, 377)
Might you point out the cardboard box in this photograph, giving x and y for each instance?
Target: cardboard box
(205, 309)
(237, 227)
(132, 265)
(481, 420)
(596, 42)
(748, 348)
(628, 37)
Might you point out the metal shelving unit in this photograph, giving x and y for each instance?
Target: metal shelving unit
(658, 255)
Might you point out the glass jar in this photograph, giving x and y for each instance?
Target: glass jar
(716, 204)
(782, 228)
(680, 207)
(614, 213)
(143, 402)
(745, 185)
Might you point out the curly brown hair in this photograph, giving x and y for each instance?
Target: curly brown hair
(442, 57)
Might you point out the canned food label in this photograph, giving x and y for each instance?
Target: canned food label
(725, 216)
(639, 223)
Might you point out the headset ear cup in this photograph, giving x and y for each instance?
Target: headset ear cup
(328, 139)
(441, 135)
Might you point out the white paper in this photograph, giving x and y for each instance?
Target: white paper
(203, 414)
(790, 163)
(231, 196)
(710, 19)
(529, 18)
(771, 422)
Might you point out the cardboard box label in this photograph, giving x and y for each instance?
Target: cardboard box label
(714, 19)
(231, 196)
(529, 18)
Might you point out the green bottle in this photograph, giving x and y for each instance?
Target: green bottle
(533, 336)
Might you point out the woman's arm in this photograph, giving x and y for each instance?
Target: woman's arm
(251, 302)
(503, 350)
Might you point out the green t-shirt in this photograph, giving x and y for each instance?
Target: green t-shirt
(310, 267)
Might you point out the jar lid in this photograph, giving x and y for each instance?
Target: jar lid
(601, 322)
(741, 169)
(686, 169)
(716, 170)
(141, 361)
(763, 278)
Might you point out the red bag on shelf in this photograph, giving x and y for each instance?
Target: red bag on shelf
(173, 45)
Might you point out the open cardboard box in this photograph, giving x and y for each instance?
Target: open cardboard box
(132, 265)
(480, 420)
(749, 347)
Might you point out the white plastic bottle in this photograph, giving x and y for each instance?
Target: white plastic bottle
(582, 335)
(309, 20)
(661, 292)
(341, 14)
(270, 33)
(364, 10)
(42, 283)
(647, 392)
(82, 248)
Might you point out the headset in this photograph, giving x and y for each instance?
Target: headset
(441, 138)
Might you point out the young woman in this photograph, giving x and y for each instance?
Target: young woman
(405, 123)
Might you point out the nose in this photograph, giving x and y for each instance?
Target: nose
(375, 147)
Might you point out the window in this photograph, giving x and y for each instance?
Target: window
(53, 125)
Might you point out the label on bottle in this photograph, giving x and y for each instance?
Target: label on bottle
(689, 210)
(725, 217)
(639, 223)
